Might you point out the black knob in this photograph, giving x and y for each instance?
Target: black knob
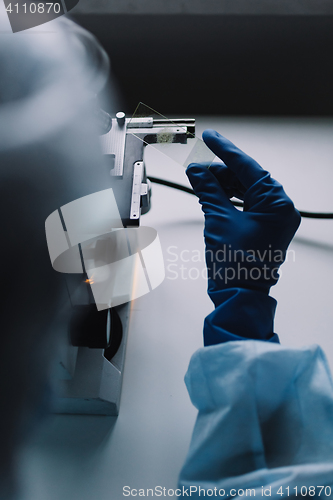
(96, 329)
(120, 118)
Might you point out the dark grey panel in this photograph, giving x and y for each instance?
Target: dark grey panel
(225, 65)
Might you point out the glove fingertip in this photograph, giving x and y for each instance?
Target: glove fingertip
(198, 176)
(192, 165)
(196, 169)
(210, 133)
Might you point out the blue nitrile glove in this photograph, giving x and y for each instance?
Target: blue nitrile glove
(244, 249)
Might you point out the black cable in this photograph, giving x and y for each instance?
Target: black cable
(174, 185)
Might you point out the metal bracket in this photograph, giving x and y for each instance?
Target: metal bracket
(136, 190)
(114, 143)
(144, 189)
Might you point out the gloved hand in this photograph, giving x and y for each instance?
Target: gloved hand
(244, 249)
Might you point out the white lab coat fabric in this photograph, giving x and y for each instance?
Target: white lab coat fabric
(265, 419)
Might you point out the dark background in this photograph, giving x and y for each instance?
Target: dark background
(222, 64)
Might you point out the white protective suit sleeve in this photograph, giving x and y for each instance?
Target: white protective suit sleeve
(265, 419)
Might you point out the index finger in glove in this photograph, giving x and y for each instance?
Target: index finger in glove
(246, 168)
(228, 180)
(209, 191)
